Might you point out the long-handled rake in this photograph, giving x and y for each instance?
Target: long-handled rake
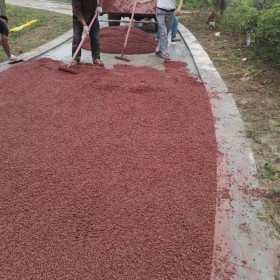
(67, 68)
(122, 57)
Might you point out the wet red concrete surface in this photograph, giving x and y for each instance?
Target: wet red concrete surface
(112, 41)
(108, 174)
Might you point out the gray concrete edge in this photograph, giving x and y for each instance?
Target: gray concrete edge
(40, 50)
(243, 243)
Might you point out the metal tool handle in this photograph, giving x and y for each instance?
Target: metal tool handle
(129, 27)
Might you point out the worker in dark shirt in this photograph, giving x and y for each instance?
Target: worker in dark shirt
(4, 31)
(83, 12)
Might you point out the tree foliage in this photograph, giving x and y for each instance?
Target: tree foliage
(264, 4)
(268, 34)
(2, 8)
(257, 19)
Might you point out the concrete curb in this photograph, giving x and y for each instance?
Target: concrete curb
(243, 246)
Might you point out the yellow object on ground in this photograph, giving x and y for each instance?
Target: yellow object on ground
(29, 23)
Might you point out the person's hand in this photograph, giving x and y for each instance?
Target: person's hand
(178, 13)
(13, 58)
(99, 10)
(85, 29)
(139, 3)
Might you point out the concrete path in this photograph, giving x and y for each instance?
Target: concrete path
(242, 241)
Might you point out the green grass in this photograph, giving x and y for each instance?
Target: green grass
(49, 25)
(271, 172)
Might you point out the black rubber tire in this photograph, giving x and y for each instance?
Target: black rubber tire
(114, 17)
(156, 26)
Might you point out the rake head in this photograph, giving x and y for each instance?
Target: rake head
(68, 69)
(121, 57)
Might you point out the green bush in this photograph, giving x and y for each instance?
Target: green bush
(268, 34)
(240, 19)
(264, 4)
(196, 4)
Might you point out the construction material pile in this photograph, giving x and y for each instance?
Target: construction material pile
(110, 174)
(112, 40)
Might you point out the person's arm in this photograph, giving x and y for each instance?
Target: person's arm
(179, 8)
(76, 8)
(6, 47)
(101, 3)
(141, 2)
(99, 6)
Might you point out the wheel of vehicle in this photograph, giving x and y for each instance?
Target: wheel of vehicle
(156, 26)
(114, 17)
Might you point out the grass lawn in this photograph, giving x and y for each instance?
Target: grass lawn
(49, 25)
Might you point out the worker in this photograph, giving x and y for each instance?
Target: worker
(165, 13)
(4, 31)
(83, 12)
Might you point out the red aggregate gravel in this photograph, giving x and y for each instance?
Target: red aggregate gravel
(112, 41)
(108, 174)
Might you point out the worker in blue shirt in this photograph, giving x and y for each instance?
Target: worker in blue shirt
(4, 31)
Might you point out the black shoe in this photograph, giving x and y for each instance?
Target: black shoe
(175, 39)
(76, 60)
(159, 54)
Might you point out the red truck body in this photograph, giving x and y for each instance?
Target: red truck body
(116, 9)
(124, 7)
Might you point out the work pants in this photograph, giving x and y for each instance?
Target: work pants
(174, 28)
(93, 34)
(164, 20)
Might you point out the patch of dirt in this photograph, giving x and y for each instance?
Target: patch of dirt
(255, 86)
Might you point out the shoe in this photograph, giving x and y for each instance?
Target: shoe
(97, 61)
(166, 58)
(159, 54)
(76, 61)
(175, 39)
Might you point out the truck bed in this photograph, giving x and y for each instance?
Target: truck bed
(124, 7)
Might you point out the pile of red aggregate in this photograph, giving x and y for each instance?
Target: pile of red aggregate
(112, 41)
(108, 174)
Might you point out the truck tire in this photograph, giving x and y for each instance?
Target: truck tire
(114, 17)
(156, 26)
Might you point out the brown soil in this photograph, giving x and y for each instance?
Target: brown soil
(255, 86)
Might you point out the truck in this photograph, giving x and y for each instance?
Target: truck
(116, 9)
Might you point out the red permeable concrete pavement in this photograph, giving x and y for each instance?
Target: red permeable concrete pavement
(108, 174)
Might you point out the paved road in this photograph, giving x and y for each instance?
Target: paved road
(249, 255)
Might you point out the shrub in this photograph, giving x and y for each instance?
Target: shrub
(264, 4)
(240, 19)
(195, 4)
(268, 34)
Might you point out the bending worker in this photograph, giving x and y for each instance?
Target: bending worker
(165, 13)
(83, 12)
(4, 31)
